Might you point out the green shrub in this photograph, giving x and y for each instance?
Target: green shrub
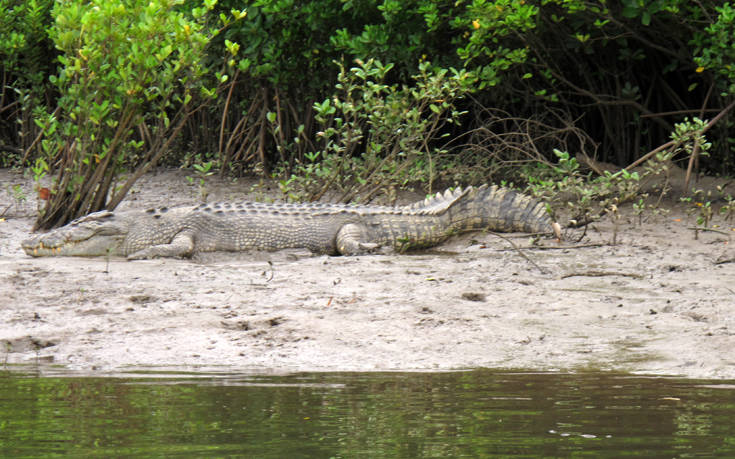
(131, 70)
(716, 47)
(586, 198)
(26, 59)
(376, 136)
(622, 72)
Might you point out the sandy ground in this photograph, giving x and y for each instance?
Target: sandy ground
(656, 302)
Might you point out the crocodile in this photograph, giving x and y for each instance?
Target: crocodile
(320, 227)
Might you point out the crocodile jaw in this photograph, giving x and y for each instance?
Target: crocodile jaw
(48, 245)
(97, 234)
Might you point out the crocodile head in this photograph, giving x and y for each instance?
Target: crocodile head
(96, 234)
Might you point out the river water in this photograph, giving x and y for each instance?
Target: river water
(473, 414)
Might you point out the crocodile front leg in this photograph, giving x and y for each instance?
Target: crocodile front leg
(182, 245)
(352, 239)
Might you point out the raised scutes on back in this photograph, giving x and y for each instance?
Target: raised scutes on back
(439, 203)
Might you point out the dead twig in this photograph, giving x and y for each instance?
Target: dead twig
(693, 159)
(584, 233)
(722, 261)
(272, 272)
(711, 230)
(560, 247)
(520, 252)
(601, 274)
(502, 140)
(674, 144)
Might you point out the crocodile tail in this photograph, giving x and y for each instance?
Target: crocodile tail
(491, 208)
(440, 202)
(498, 209)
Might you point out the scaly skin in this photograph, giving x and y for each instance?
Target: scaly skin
(321, 228)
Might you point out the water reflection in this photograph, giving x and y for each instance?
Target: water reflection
(477, 413)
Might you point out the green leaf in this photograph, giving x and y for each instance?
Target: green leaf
(646, 18)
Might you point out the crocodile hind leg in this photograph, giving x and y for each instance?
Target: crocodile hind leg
(182, 245)
(352, 239)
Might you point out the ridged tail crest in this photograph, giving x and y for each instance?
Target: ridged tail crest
(440, 202)
(488, 207)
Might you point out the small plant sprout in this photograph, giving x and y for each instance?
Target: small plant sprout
(202, 171)
(639, 207)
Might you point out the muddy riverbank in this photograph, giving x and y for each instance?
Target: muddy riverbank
(656, 302)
